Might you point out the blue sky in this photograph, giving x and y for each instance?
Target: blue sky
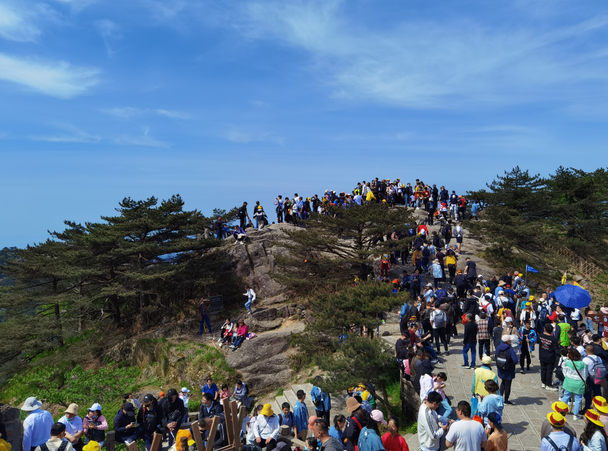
(232, 100)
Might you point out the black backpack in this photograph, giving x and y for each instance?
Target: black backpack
(426, 252)
(502, 359)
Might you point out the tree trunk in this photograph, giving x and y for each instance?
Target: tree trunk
(58, 317)
(383, 399)
(115, 309)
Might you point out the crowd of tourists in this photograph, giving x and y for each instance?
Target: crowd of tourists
(503, 324)
(435, 202)
(136, 419)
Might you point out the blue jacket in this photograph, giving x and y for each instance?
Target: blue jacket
(509, 373)
(300, 416)
(324, 399)
(369, 440)
(405, 308)
(337, 434)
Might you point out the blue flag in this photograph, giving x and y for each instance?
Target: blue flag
(530, 269)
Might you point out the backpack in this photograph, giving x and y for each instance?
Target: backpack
(62, 447)
(599, 371)
(463, 202)
(502, 359)
(556, 448)
(439, 319)
(542, 315)
(441, 243)
(426, 252)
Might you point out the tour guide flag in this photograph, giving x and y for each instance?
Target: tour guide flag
(530, 269)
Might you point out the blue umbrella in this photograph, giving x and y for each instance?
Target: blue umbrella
(573, 296)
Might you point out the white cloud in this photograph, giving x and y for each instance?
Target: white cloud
(54, 78)
(74, 135)
(129, 112)
(434, 64)
(109, 32)
(171, 114)
(242, 137)
(141, 140)
(16, 25)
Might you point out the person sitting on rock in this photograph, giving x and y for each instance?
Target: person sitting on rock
(241, 393)
(239, 235)
(227, 334)
(210, 407)
(241, 334)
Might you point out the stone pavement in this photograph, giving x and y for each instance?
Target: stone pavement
(523, 420)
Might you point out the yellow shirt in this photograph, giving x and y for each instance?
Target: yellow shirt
(370, 196)
(450, 260)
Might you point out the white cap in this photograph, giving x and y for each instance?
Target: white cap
(185, 390)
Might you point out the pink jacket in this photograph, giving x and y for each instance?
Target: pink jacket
(242, 330)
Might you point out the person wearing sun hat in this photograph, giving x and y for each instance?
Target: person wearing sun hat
(558, 438)
(357, 421)
(600, 404)
(37, 425)
(91, 446)
(561, 408)
(266, 429)
(593, 436)
(73, 426)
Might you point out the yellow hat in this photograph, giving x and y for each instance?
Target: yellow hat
(267, 410)
(531, 298)
(560, 407)
(600, 404)
(556, 419)
(528, 304)
(594, 417)
(91, 446)
(487, 289)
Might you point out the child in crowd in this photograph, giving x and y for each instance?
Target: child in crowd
(286, 418)
(224, 392)
(444, 410)
(311, 444)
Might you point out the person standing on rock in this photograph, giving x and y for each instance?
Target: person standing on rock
(321, 400)
(243, 215)
(203, 316)
(37, 425)
(251, 297)
(279, 208)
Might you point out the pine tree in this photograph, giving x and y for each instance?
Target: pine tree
(334, 249)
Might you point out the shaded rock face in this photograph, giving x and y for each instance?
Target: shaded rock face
(10, 417)
(255, 261)
(264, 361)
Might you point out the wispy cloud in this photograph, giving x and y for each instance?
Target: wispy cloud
(74, 135)
(259, 103)
(496, 129)
(141, 140)
(109, 31)
(16, 24)
(130, 112)
(441, 64)
(54, 78)
(243, 137)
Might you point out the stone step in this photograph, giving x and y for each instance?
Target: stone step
(279, 400)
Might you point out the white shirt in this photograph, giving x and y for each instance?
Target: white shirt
(266, 427)
(466, 435)
(72, 427)
(251, 294)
